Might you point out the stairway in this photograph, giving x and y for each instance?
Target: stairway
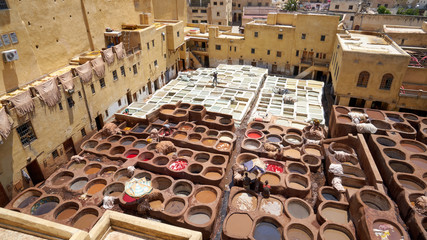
(196, 62)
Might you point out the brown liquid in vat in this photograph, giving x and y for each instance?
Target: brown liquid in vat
(174, 207)
(156, 205)
(313, 151)
(239, 225)
(293, 153)
(296, 185)
(92, 170)
(275, 130)
(67, 213)
(115, 194)
(209, 142)
(335, 215)
(95, 188)
(412, 147)
(297, 234)
(62, 179)
(167, 111)
(213, 175)
(180, 136)
(85, 221)
(335, 235)
(272, 179)
(205, 196)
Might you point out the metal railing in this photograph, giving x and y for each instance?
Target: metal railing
(413, 93)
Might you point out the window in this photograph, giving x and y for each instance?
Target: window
(195, 11)
(83, 132)
(26, 133)
(122, 70)
(337, 6)
(106, 113)
(238, 5)
(235, 48)
(303, 36)
(80, 94)
(322, 38)
(279, 54)
(297, 54)
(268, 52)
(386, 81)
(280, 36)
(386, 5)
(203, 11)
(119, 102)
(102, 82)
(266, 4)
(255, 34)
(378, 5)
(215, 3)
(317, 55)
(195, 21)
(350, 7)
(92, 87)
(363, 79)
(135, 69)
(221, 3)
(249, 4)
(218, 47)
(152, 42)
(70, 101)
(155, 63)
(253, 50)
(177, 34)
(219, 23)
(164, 55)
(3, 5)
(60, 106)
(351, 18)
(217, 14)
(163, 36)
(204, 21)
(115, 77)
(55, 154)
(259, 4)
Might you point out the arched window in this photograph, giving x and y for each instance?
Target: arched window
(386, 81)
(363, 79)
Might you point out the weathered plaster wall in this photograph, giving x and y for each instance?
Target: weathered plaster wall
(375, 22)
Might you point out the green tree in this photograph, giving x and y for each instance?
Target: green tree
(291, 5)
(383, 10)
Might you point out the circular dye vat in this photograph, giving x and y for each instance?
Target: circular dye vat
(200, 129)
(209, 142)
(297, 185)
(93, 170)
(44, 206)
(206, 196)
(131, 155)
(335, 234)
(212, 133)
(336, 215)
(266, 231)
(344, 119)
(381, 228)
(95, 188)
(76, 166)
(239, 225)
(178, 165)
(161, 183)
(85, 221)
(214, 175)
(195, 137)
(375, 200)
(342, 110)
(225, 121)
(313, 151)
(403, 127)
(298, 233)
(413, 146)
(408, 184)
(182, 189)
(139, 144)
(274, 168)
(386, 142)
(271, 206)
(66, 213)
(175, 206)
(274, 138)
(419, 161)
(271, 178)
(79, 184)
(244, 201)
(251, 144)
(373, 114)
(254, 135)
(180, 136)
(293, 139)
(156, 205)
(223, 146)
(185, 127)
(394, 118)
(62, 178)
(167, 111)
(292, 153)
(329, 197)
(127, 141)
(298, 209)
(90, 144)
(199, 218)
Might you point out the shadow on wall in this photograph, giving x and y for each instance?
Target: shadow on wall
(9, 73)
(4, 17)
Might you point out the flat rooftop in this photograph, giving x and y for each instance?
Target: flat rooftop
(366, 43)
(403, 29)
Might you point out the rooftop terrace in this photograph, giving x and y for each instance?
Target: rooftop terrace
(368, 43)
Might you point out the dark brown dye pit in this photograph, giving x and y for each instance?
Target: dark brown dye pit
(27, 201)
(85, 221)
(174, 206)
(67, 213)
(44, 208)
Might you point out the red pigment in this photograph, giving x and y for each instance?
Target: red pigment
(178, 165)
(128, 198)
(254, 135)
(146, 159)
(131, 155)
(274, 168)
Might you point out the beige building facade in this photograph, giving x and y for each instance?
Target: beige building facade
(238, 5)
(217, 12)
(39, 141)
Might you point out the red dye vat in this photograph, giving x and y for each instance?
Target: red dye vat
(131, 155)
(178, 165)
(128, 198)
(254, 135)
(274, 168)
(146, 159)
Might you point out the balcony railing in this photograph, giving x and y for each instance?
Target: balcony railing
(413, 93)
(200, 49)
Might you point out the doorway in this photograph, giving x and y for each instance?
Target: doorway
(69, 148)
(129, 97)
(357, 102)
(35, 172)
(273, 68)
(99, 122)
(150, 89)
(206, 61)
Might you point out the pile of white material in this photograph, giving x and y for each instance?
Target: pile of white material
(343, 156)
(311, 141)
(366, 128)
(272, 207)
(358, 117)
(108, 202)
(131, 169)
(77, 158)
(336, 182)
(245, 202)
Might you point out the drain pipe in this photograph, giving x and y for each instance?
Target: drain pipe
(87, 105)
(89, 34)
